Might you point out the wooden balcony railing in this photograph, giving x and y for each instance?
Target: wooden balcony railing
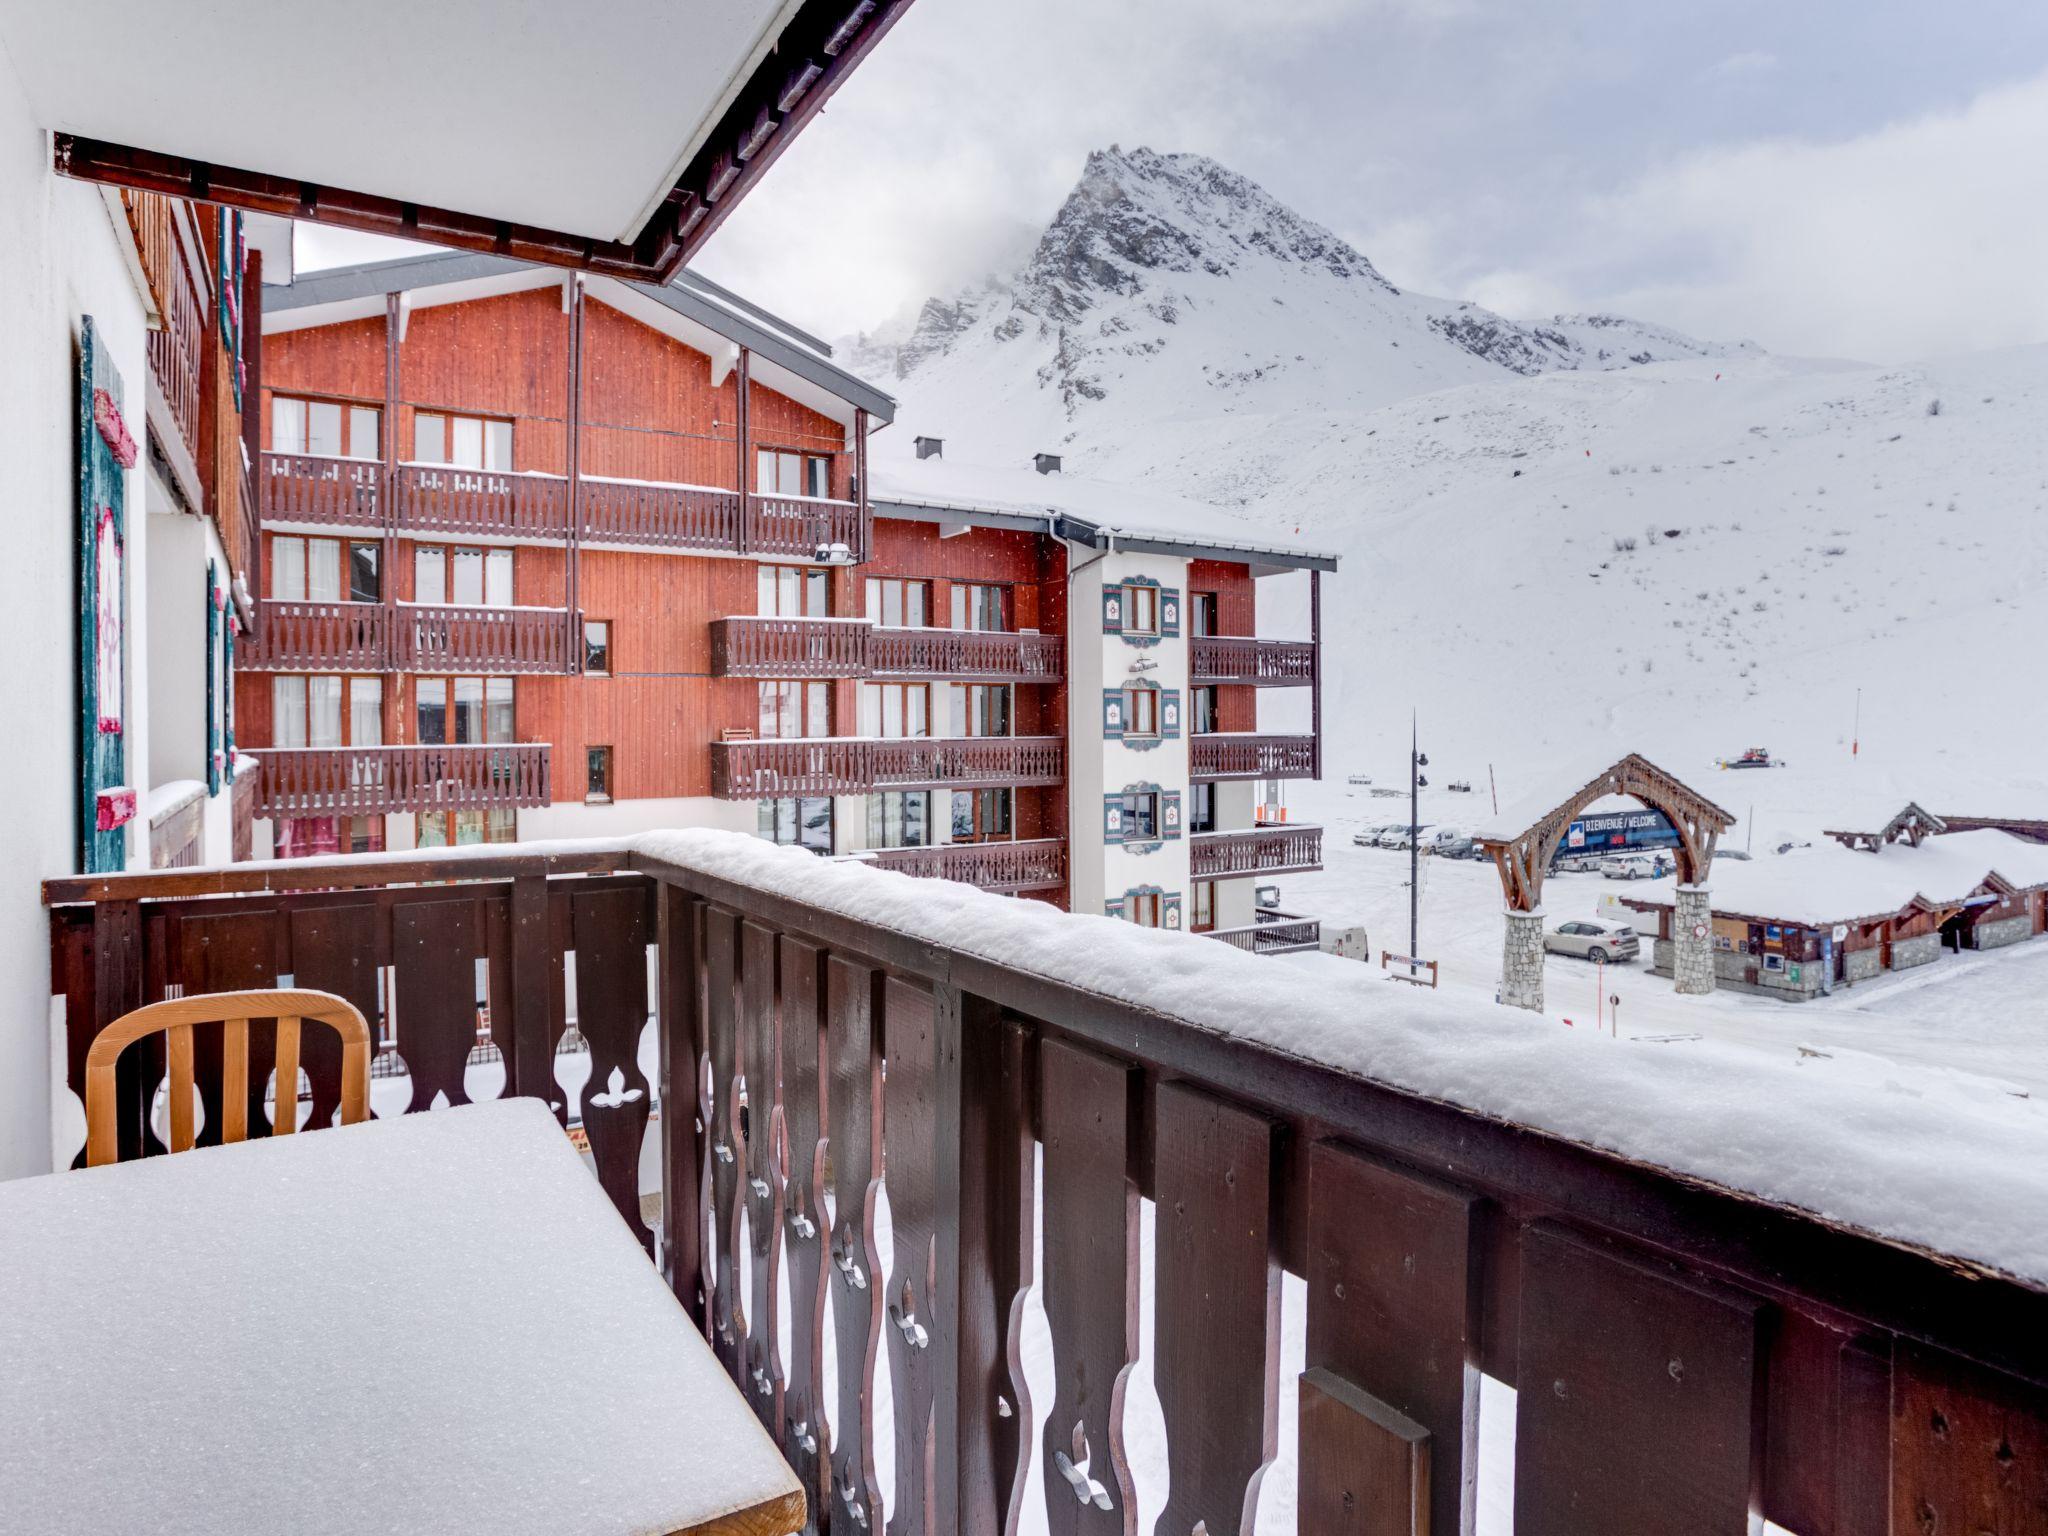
(1233, 659)
(1693, 1351)
(1231, 755)
(849, 765)
(1031, 864)
(660, 516)
(428, 637)
(177, 833)
(1259, 851)
(293, 636)
(370, 781)
(757, 647)
(435, 498)
(801, 525)
(967, 653)
(1275, 933)
(310, 488)
(177, 279)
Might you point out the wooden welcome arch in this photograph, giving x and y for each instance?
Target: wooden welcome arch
(1524, 857)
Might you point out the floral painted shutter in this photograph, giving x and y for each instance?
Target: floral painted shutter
(1112, 610)
(1112, 818)
(1169, 815)
(213, 710)
(1112, 714)
(1169, 612)
(1169, 714)
(1113, 907)
(231, 254)
(227, 692)
(1169, 912)
(105, 451)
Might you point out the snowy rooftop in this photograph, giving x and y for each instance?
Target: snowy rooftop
(1829, 884)
(1552, 790)
(1125, 512)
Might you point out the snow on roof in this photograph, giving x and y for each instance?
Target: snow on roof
(1906, 1166)
(1551, 791)
(1126, 511)
(1828, 883)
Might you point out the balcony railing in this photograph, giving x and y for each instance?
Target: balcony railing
(177, 279)
(801, 525)
(1032, 864)
(436, 498)
(411, 637)
(1258, 851)
(778, 647)
(851, 765)
(1234, 755)
(371, 781)
(310, 488)
(1275, 933)
(758, 647)
(638, 512)
(1263, 663)
(968, 653)
(1694, 1347)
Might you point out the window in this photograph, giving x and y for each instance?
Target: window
(597, 647)
(978, 605)
(1203, 812)
(1205, 904)
(982, 815)
(803, 823)
(780, 472)
(474, 578)
(896, 603)
(895, 709)
(300, 837)
(978, 709)
(1205, 710)
(900, 819)
(331, 428)
(312, 570)
(599, 786)
(464, 711)
(791, 592)
(460, 829)
(1203, 622)
(790, 710)
(1141, 816)
(465, 442)
(1142, 908)
(1141, 609)
(1141, 711)
(311, 711)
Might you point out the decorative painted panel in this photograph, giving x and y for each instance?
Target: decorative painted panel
(1169, 612)
(1169, 815)
(1112, 818)
(1112, 610)
(1169, 714)
(106, 449)
(1169, 911)
(1112, 714)
(213, 684)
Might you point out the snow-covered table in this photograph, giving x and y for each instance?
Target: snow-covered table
(434, 1323)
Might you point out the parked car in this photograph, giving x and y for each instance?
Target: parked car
(1731, 853)
(1576, 863)
(1455, 846)
(1403, 836)
(1436, 839)
(1369, 837)
(1591, 940)
(1636, 866)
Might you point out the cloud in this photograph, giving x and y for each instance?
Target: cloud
(1737, 65)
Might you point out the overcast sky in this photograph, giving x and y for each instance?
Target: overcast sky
(1864, 178)
(1860, 178)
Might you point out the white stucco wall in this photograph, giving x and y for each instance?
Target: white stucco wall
(574, 818)
(59, 259)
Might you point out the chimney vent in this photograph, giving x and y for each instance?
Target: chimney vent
(931, 447)
(1046, 463)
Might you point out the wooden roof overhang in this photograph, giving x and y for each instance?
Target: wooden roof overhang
(819, 46)
(1524, 858)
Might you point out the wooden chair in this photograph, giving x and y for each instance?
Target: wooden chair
(232, 1011)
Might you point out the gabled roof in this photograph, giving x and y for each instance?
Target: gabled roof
(344, 293)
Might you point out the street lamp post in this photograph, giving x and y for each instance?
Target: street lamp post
(1417, 761)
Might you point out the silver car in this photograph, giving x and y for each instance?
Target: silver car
(1593, 940)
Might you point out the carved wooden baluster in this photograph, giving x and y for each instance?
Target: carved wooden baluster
(1636, 1396)
(434, 945)
(761, 1065)
(611, 934)
(910, 1028)
(1392, 1316)
(1217, 1334)
(855, 1151)
(721, 957)
(1011, 1214)
(1091, 1287)
(805, 1431)
(1969, 1448)
(222, 951)
(333, 949)
(685, 1161)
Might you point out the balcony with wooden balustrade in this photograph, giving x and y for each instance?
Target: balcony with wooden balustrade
(1273, 850)
(1027, 864)
(745, 646)
(1273, 933)
(1696, 1348)
(1249, 755)
(372, 781)
(1257, 663)
(412, 637)
(851, 765)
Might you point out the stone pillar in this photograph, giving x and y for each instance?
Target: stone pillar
(1692, 941)
(1521, 961)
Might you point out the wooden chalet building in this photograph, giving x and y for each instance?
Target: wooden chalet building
(547, 556)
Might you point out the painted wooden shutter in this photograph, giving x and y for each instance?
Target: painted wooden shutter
(1113, 907)
(1112, 818)
(1169, 612)
(105, 450)
(1169, 815)
(1169, 714)
(1169, 911)
(213, 703)
(1112, 714)
(1112, 610)
(227, 692)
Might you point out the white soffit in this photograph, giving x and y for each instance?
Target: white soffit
(577, 118)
